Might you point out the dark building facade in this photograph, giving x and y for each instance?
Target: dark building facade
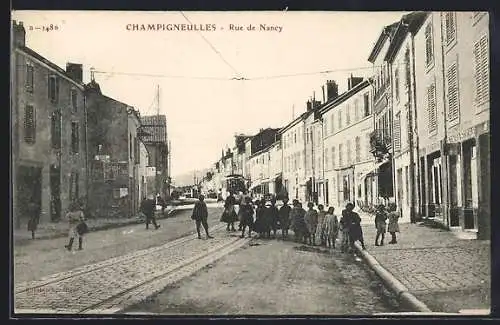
(113, 153)
(48, 133)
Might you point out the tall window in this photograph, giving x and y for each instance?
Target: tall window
(431, 108)
(332, 123)
(73, 186)
(396, 83)
(340, 119)
(29, 77)
(53, 89)
(74, 100)
(333, 157)
(366, 105)
(397, 132)
(348, 115)
(349, 158)
(327, 167)
(481, 71)
(341, 158)
(55, 133)
(356, 110)
(367, 145)
(29, 124)
(453, 97)
(75, 137)
(130, 147)
(358, 149)
(450, 27)
(429, 45)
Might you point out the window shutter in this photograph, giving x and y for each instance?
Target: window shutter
(348, 115)
(29, 124)
(428, 45)
(431, 108)
(326, 159)
(349, 158)
(397, 132)
(333, 157)
(358, 149)
(450, 26)
(396, 83)
(481, 71)
(453, 99)
(332, 124)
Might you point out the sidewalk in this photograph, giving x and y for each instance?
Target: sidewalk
(60, 229)
(444, 272)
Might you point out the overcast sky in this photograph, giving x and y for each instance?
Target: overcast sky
(204, 114)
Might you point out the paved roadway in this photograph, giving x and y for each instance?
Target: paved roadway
(123, 267)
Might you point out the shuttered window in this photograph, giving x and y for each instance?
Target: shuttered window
(332, 124)
(29, 124)
(397, 132)
(450, 27)
(74, 100)
(367, 145)
(396, 83)
(55, 133)
(477, 16)
(53, 89)
(431, 108)
(366, 105)
(349, 157)
(75, 137)
(327, 166)
(29, 77)
(348, 115)
(429, 45)
(341, 158)
(453, 96)
(358, 149)
(481, 71)
(333, 157)
(340, 119)
(356, 110)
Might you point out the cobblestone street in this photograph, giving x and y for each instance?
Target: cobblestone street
(271, 277)
(446, 273)
(43, 257)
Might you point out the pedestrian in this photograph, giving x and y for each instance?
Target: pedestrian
(246, 213)
(320, 230)
(331, 228)
(273, 216)
(148, 208)
(344, 225)
(284, 218)
(355, 230)
(200, 216)
(380, 224)
(393, 226)
(229, 215)
(75, 217)
(260, 218)
(34, 217)
(298, 223)
(311, 220)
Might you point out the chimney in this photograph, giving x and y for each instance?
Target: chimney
(18, 33)
(332, 90)
(75, 71)
(353, 81)
(309, 105)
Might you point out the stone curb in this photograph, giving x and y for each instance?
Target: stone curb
(96, 228)
(402, 292)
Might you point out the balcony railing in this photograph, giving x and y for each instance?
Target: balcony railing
(380, 145)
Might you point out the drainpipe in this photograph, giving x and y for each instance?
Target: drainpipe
(323, 155)
(444, 155)
(86, 151)
(415, 123)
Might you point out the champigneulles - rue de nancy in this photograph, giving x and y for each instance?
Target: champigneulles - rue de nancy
(172, 27)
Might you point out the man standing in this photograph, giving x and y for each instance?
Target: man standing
(284, 218)
(148, 207)
(200, 216)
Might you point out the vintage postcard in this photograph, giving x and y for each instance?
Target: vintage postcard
(276, 163)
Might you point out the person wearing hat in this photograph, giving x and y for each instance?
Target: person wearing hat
(148, 207)
(284, 218)
(380, 224)
(200, 216)
(311, 220)
(246, 213)
(355, 230)
(298, 223)
(75, 217)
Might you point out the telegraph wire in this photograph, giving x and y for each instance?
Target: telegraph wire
(299, 74)
(213, 47)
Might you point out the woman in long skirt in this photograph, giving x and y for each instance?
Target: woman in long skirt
(229, 215)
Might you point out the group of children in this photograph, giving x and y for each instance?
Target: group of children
(310, 227)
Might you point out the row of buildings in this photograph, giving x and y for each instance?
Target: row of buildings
(415, 133)
(71, 142)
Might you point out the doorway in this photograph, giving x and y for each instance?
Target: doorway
(55, 193)
(29, 190)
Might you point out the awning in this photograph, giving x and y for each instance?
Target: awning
(373, 169)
